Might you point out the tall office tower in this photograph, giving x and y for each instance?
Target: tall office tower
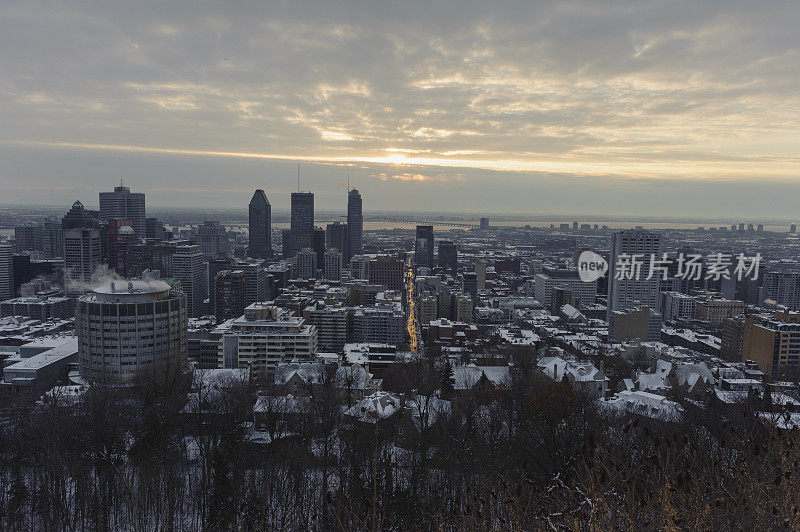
(423, 250)
(213, 266)
(28, 237)
(306, 264)
(188, 268)
(120, 236)
(480, 270)
(355, 225)
(79, 216)
(484, 223)
(260, 226)
(229, 293)
(333, 265)
(127, 327)
(257, 288)
(386, 270)
(142, 256)
(286, 243)
(633, 249)
(448, 256)
(302, 222)
(154, 229)
(52, 239)
(793, 228)
(741, 226)
(6, 271)
(122, 203)
(336, 238)
(82, 248)
(212, 238)
(469, 285)
(318, 241)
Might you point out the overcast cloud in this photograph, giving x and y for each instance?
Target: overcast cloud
(602, 107)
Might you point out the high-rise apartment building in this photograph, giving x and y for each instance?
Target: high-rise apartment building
(127, 327)
(355, 225)
(302, 221)
(52, 239)
(783, 287)
(266, 336)
(188, 268)
(628, 269)
(28, 237)
(423, 249)
(307, 264)
(122, 203)
(332, 269)
(384, 324)
(229, 294)
(260, 226)
(331, 324)
(6, 271)
(773, 342)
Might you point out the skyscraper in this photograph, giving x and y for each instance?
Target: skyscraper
(154, 229)
(212, 238)
(229, 294)
(302, 222)
(355, 225)
(448, 256)
(122, 203)
(260, 226)
(120, 236)
(82, 248)
(336, 238)
(423, 249)
(52, 239)
(306, 264)
(286, 243)
(635, 247)
(126, 327)
(189, 269)
(6, 271)
(333, 265)
(28, 237)
(319, 244)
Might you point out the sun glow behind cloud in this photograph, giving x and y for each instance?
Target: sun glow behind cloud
(631, 169)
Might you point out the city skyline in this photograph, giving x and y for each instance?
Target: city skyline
(672, 109)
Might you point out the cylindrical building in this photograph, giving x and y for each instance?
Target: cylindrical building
(125, 327)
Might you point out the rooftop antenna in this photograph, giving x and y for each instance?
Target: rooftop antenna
(298, 177)
(348, 182)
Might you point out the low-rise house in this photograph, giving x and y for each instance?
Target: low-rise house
(582, 375)
(644, 404)
(468, 377)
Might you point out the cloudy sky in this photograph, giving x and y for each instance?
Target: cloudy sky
(682, 108)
